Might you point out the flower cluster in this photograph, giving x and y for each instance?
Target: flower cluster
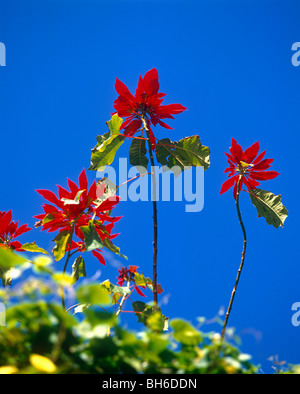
(145, 105)
(74, 209)
(10, 230)
(247, 166)
(127, 275)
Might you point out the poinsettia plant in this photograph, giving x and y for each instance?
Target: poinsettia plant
(249, 168)
(134, 118)
(82, 216)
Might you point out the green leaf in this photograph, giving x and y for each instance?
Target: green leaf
(8, 260)
(62, 239)
(150, 317)
(269, 206)
(183, 154)
(48, 218)
(78, 269)
(137, 155)
(63, 279)
(91, 237)
(107, 145)
(80, 308)
(32, 247)
(113, 248)
(141, 280)
(143, 311)
(76, 200)
(114, 289)
(93, 295)
(185, 333)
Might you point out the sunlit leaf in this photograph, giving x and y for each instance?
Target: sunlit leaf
(62, 239)
(76, 200)
(32, 247)
(93, 294)
(185, 333)
(104, 152)
(8, 261)
(78, 269)
(183, 154)
(269, 206)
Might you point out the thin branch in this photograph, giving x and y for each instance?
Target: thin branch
(155, 226)
(123, 298)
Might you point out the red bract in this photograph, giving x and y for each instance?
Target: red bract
(75, 208)
(251, 166)
(10, 230)
(127, 275)
(145, 104)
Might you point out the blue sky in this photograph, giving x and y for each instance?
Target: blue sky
(229, 62)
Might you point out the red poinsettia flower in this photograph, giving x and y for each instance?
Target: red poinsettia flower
(10, 230)
(75, 208)
(127, 275)
(145, 104)
(249, 165)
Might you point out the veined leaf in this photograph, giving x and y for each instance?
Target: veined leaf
(150, 317)
(137, 154)
(104, 152)
(113, 248)
(78, 269)
(62, 239)
(269, 206)
(183, 154)
(92, 239)
(32, 247)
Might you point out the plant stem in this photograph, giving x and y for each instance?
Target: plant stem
(155, 226)
(65, 268)
(123, 299)
(242, 261)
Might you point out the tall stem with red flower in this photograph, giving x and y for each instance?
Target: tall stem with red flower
(242, 261)
(141, 111)
(155, 222)
(249, 168)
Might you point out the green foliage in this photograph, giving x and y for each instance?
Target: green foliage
(150, 317)
(269, 206)
(8, 261)
(32, 247)
(138, 154)
(86, 347)
(185, 333)
(91, 237)
(62, 239)
(93, 294)
(78, 269)
(183, 154)
(104, 152)
(40, 337)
